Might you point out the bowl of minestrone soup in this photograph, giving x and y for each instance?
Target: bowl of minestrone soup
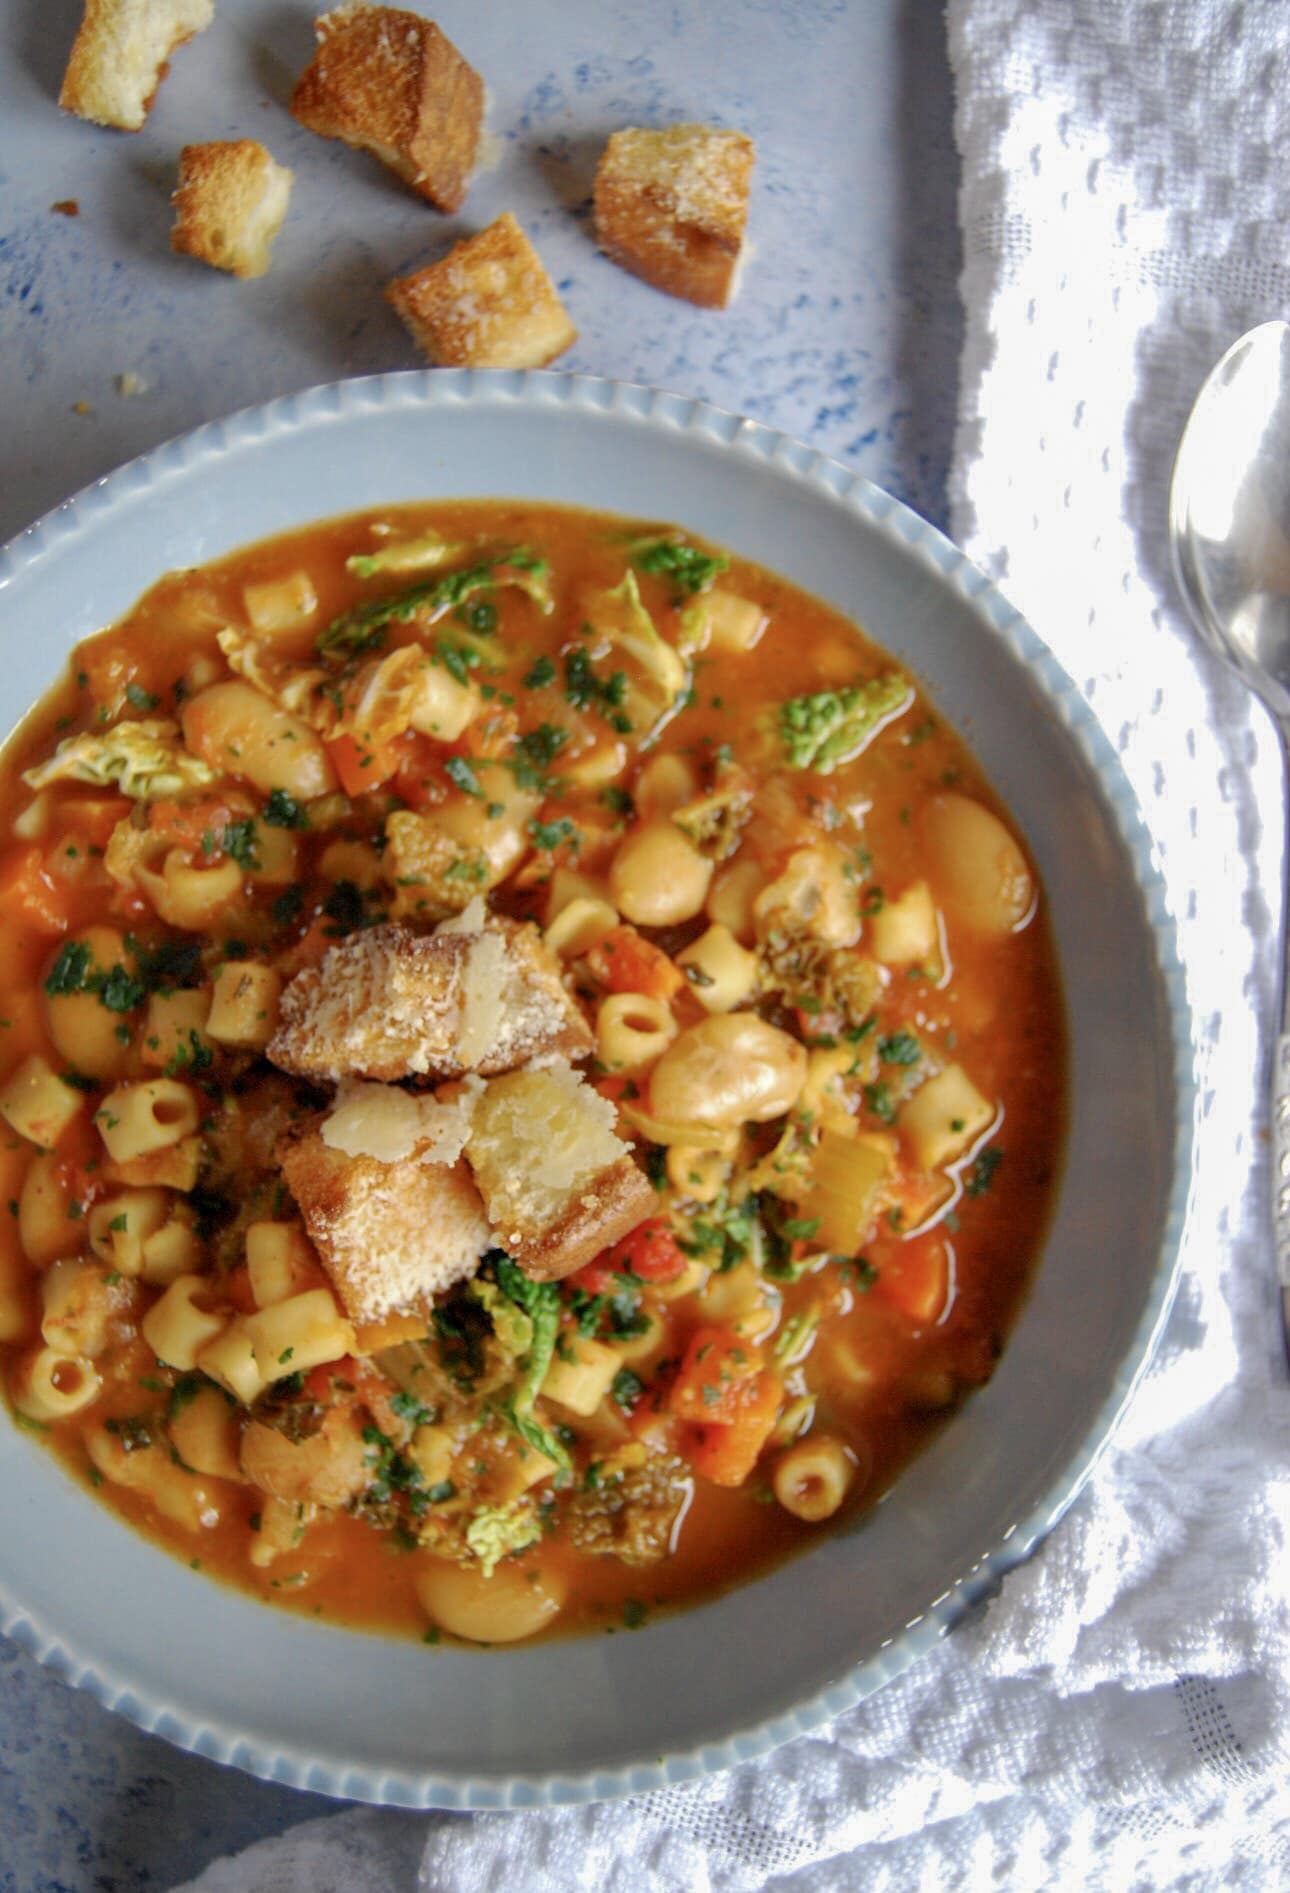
(598, 1087)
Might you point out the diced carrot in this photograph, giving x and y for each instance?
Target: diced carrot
(625, 962)
(362, 765)
(914, 1276)
(27, 893)
(717, 1367)
(726, 1453)
(650, 1251)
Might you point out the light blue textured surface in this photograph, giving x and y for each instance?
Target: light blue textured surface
(845, 332)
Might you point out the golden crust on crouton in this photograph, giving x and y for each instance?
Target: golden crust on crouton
(119, 56)
(487, 304)
(389, 82)
(671, 206)
(389, 1004)
(557, 1182)
(229, 205)
(391, 1236)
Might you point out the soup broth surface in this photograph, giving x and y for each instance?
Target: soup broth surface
(350, 1305)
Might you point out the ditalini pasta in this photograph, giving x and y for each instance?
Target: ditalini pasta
(530, 1046)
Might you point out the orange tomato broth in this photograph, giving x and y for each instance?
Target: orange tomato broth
(999, 1012)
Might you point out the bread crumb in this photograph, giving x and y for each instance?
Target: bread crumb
(129, 383)
(67, 207)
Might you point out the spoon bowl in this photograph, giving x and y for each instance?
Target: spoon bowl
(1229, 511)
(1229, 532)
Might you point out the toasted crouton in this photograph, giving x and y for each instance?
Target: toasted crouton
(671, 206)
(391, 83)
(119, 56)
(391, 1236)
(229, 205)
(487, 304)
(558, 1184)
(389, 1004)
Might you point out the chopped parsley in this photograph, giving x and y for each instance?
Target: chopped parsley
(119, 991)
(542, 673)
(534, 753)
(458, 770)
(900, 1048)
(288, 905)
(690, 570)
(71, 971)
(549, 835)
(981, 1171)
(238, 843)
(283, 811)
(140, 699)
(626, 1389)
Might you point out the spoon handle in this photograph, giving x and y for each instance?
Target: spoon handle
(1280, 1117)
(1281, 1178)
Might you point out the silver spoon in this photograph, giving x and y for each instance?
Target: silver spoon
(1229, 531)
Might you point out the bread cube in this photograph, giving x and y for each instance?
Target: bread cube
(487, 304)
(559, 1185)
(229, 205)
(671, 207)
(387, 81)
(390, 1236)
(118, 58)
(388, 1004)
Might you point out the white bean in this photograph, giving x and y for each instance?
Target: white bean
(976, 867)
(730, 1069)
(241, 732)
(658, 877)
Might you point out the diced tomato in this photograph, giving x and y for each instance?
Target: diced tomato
(625, 962)
(318, 1380)
(362, 765)
(89, 819)
(726, 1453)
(651, 1251)
(491, 735)
(716, 1369)
(616, 1085)
(195, 827)
(915, 1276)
(594, 1278)
(237, 1290)
(27, 893)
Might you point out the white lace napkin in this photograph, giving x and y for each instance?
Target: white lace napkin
(1117, 1718)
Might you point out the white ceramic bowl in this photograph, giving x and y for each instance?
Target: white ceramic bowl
(361, 1716)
